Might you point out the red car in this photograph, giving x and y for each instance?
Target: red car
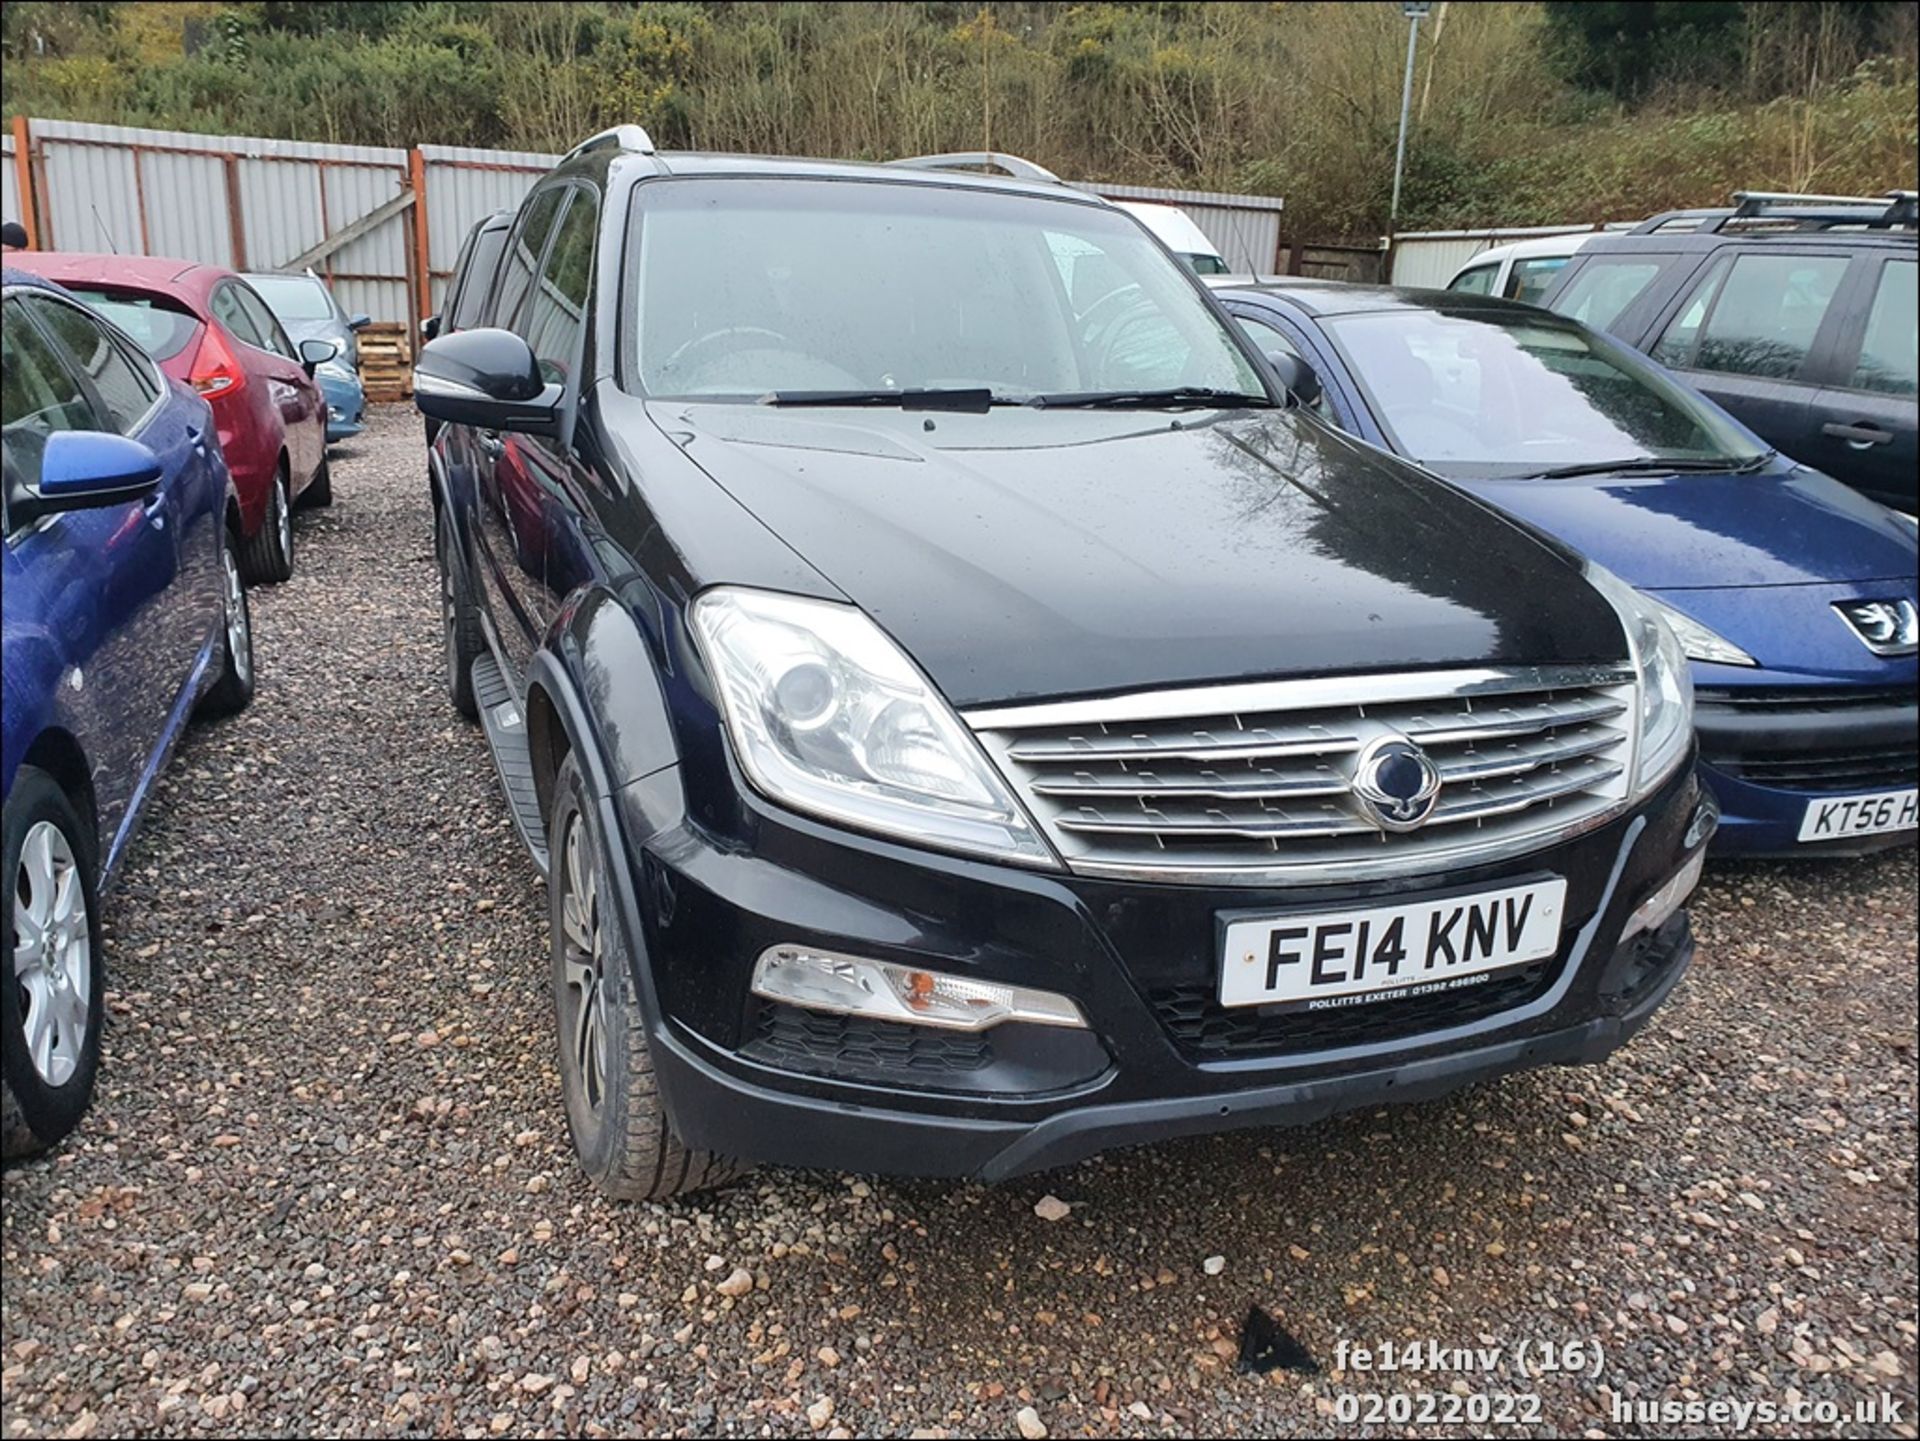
(207, 327)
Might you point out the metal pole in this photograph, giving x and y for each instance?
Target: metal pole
(1406, 102)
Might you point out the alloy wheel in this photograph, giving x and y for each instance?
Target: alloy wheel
(52, 953)
(282, 516)
(583, 1006)
(239, 621)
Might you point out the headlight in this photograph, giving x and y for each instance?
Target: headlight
(1696, 640)
(1666, 682)
(829, 716)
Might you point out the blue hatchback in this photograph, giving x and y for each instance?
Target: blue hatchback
(1794, 596)
(123, 612)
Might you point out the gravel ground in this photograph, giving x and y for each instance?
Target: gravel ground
(326, 1186)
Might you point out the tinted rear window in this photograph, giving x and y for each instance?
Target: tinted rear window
(156, 327)
(477, 283)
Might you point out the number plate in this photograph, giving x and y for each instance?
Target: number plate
(1835, 818)
(1382, 953)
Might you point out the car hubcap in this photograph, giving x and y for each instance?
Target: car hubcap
(583, 1006)
(239, 642)
(282, 517)
(52, 953)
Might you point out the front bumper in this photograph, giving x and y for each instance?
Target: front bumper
(1767, 752)
(764, 1081)
(346, 406)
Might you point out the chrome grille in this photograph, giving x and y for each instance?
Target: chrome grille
(1250, 784)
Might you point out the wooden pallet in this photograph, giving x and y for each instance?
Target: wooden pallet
(386, 362)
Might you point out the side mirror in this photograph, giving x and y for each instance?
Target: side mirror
(486, 378)
(316, 353)
(1297, 376)
(86, 469)
(359, 322)
(429, 327)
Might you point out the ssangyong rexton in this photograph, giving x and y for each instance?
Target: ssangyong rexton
(968, 719)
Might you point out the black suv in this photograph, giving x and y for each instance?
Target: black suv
(470, 287)
(968, 719)
(1795, 312)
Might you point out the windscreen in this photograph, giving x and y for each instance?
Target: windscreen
(293, 297)
(157, 328)
(1503, 395)
(750, 287)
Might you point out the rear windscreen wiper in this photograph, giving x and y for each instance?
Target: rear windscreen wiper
(978, 398)
(1654, 465)
(1177, 396)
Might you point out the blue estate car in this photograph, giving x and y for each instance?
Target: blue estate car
(124, 610)
(1794, 596)
(307, 310)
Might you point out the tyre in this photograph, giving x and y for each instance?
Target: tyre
(459, 627)
(620, 1130)
(52, 971)
(234, 689)
(319, 491)
(268, 556)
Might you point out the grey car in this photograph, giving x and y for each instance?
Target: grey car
(307, 310)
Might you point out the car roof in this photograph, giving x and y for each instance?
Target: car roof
(1317, 297)
(1667, 242)
(185, 278)
(694, 163)
(1533, 249)
(12, 275)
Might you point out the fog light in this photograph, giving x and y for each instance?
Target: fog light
(1706, 820)
(1657, 909)
(882, 991)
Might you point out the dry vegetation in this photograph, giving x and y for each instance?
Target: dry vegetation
(1523, 112)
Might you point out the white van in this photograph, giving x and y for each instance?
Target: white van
(1521, 271)
(1175, 229)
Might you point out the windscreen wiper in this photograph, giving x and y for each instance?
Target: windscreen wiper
(1181, 397)
(975, 399)
(1655, 465)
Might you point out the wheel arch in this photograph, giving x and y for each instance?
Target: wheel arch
(58, 752)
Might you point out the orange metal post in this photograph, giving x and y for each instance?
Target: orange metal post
(23, 175)
(422, 269)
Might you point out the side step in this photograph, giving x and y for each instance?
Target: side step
(506, 731)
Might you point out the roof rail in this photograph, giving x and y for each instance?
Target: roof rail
(970, 159)
(626, 137)
(1895, 210)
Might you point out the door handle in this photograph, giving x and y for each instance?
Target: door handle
(154, 507)
(491, 445)
(1857, 436)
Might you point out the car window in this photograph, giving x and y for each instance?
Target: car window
(1477, 281)
(523, 255)
(1512, 395)
(1268, 337)
(126, 392)
(801, 285)
(476, 285)
(1603, 288)
(1529, 279)
(293, 297)
(1753, 314)
(1887, 351)
(40, 393)
(160, 330)
(272, 337)
(227, 310)
(557, 312)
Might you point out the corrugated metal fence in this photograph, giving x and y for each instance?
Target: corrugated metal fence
(1245, 229)
(383, 225)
